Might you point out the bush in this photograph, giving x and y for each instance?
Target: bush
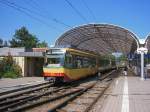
(17, 70)
(9, 69)
(1, 69)
(10, 74)
(1, 74)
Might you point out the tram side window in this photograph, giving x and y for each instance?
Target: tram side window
(68, 61)
(86, 62)
(93, 62)
(78, 62)
(83, 62)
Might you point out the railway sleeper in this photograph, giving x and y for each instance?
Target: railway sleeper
(82, 101)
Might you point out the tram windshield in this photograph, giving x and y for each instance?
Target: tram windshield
(55, 61)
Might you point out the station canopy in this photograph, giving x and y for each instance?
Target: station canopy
(100, 38)
(147, 43)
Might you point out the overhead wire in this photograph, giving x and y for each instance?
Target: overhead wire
(88, 8)
(28, 12)
(57, 21)
(41, 9)
(54, 19)
(81, 14)
(75, 9)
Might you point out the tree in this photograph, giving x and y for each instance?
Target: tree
(42, 44)
(1, 42)
(5, 44)
(23, 38)
(123, 58)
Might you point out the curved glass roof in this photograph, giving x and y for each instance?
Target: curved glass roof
(100, 38)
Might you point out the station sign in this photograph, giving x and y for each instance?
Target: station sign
(142, 50)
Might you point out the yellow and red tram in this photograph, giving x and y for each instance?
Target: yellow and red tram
(68, 64)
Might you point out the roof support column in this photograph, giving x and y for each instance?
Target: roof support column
(142, 51)
(142, 65)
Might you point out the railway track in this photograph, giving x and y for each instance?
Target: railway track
(12, 98)
(84, 100)
(56, 97)
(19, 100)
(22, 88)
(73, 101)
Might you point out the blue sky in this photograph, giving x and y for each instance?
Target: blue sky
(131, 14)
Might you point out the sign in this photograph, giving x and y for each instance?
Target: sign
(142, 50)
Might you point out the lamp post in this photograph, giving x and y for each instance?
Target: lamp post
(142, 51)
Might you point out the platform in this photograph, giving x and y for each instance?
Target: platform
(125, 94)
(7, 84)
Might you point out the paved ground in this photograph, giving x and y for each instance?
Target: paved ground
(9, 84)
(126, 94)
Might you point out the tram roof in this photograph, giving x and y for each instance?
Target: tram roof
(100, 38)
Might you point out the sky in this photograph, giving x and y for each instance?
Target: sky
(49, 19)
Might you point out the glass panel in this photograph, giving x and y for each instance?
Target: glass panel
(86, 62)
(79, 61)
(56, 60)
(68, 61)
(56, 51)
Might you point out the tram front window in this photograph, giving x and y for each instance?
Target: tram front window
(55, 62)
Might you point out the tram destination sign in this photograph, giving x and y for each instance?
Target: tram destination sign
(56, 51)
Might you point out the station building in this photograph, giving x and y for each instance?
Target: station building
(30, 60)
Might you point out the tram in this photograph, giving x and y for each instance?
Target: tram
(68, 64)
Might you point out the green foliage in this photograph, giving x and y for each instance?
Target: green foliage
(10, 74)
(1, 42)
(1, 69)
(123, 58)
(17, 69)
(106, 60)
(42, 44)
(23, 38)
(8, 60)
(9, 69)
(5, 44)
